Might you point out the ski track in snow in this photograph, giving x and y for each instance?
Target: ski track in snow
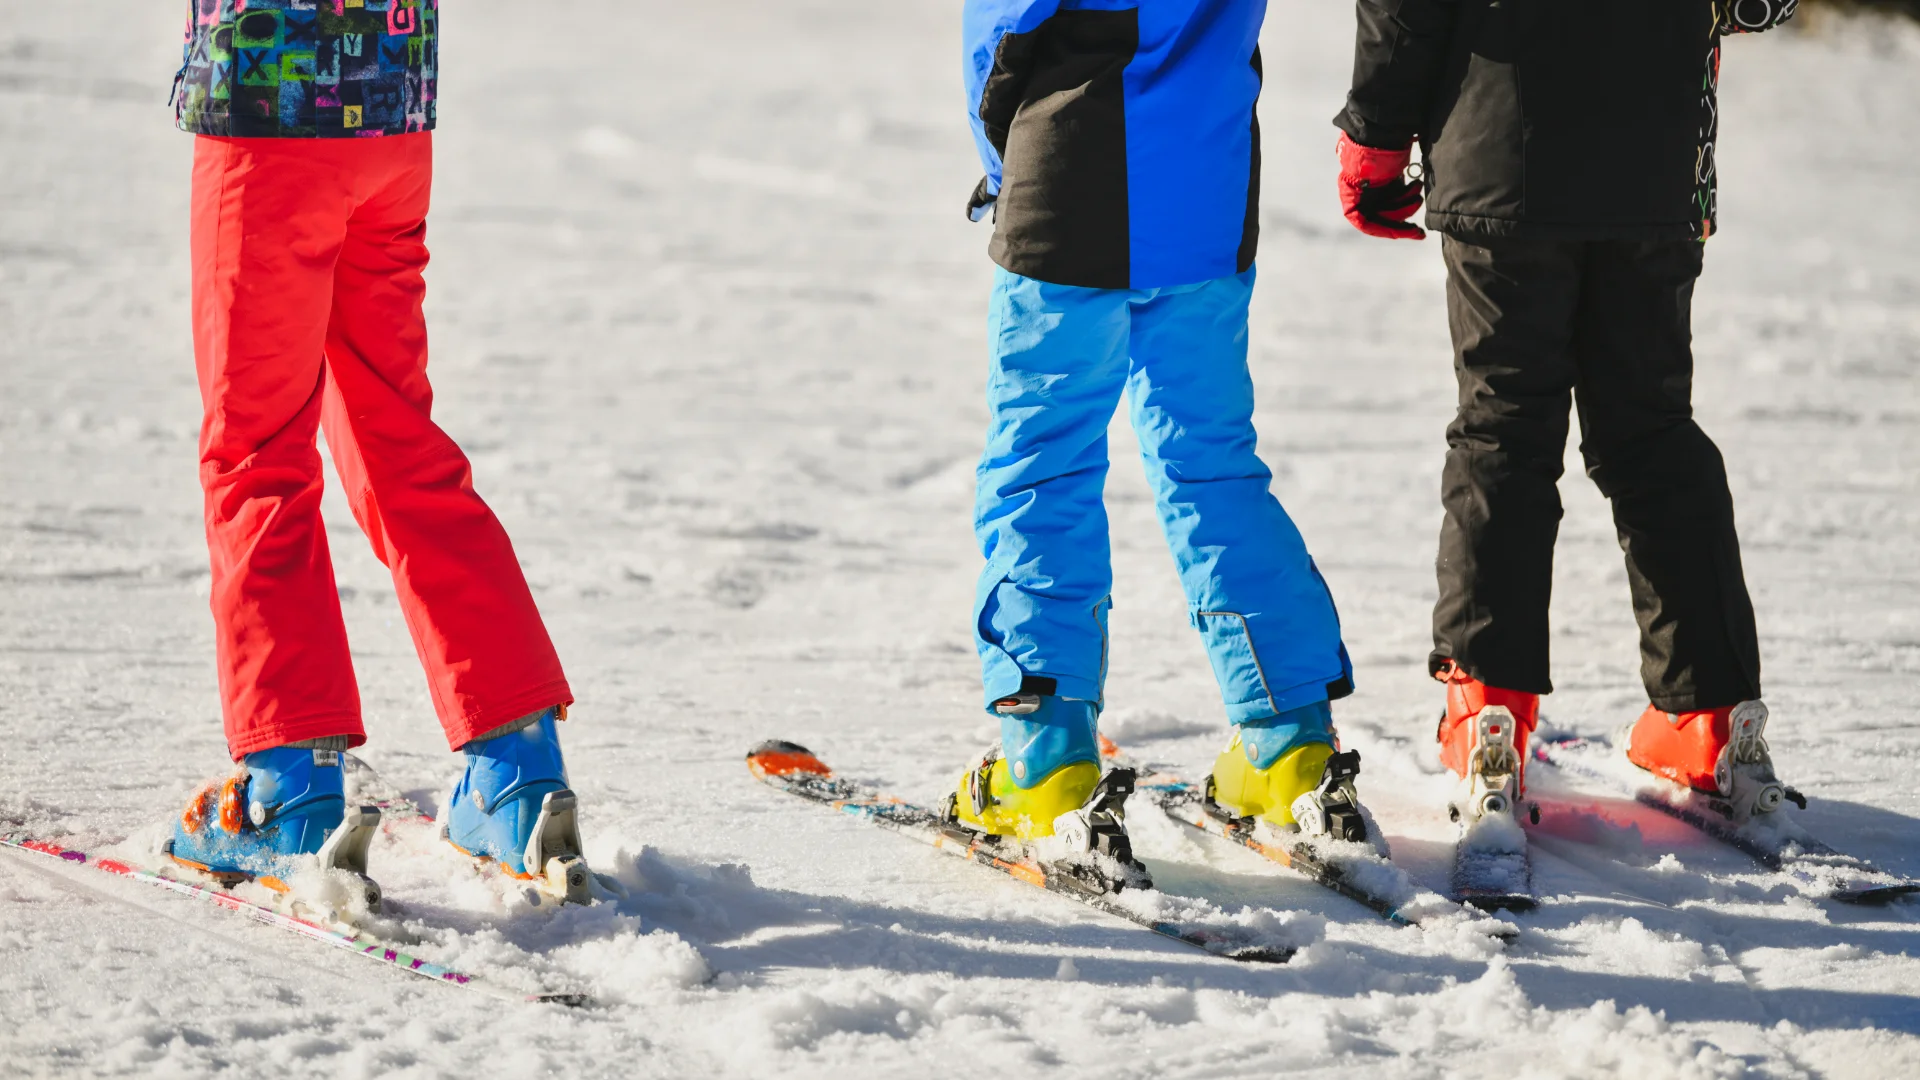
(708, 318)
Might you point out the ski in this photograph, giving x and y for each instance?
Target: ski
(1492, 866)
(1492, 863)
(1773, 840)
(1355, 871)
(356, 943)
(794, 769)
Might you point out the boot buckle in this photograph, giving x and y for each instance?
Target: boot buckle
(979, 787)
(1017, 705)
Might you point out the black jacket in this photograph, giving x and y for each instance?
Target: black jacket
(1552, 118)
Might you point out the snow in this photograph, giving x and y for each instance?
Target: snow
(708, 317)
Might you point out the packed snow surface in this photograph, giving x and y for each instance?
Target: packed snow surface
(709, 319)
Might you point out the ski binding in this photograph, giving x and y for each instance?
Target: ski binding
(1491, 867)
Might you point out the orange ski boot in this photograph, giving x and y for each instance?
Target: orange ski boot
(1718, 752)
(1483, 739)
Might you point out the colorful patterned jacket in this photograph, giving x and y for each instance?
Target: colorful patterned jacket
(309, 69)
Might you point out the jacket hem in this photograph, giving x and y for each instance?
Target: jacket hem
(246, 131)
(1473, 227)
(1053, 276)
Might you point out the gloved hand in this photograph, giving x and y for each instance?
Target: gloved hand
(1375, 192)
(982, 201)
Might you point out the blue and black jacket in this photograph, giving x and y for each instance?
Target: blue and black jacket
(1118, 136)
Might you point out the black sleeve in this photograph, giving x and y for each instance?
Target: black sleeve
(1398, 59)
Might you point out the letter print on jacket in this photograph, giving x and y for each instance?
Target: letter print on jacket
(309, 68)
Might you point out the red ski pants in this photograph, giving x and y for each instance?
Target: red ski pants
(307, 288)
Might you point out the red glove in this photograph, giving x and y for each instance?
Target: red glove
(1375, 192)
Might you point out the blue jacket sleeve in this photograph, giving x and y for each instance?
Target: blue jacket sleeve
(999, 38)
(1754, 16)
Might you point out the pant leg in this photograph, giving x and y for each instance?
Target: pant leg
(1056, 369)
(1665, 478)
(480, 638)
(268, 221)
(1510, 305)
(1253, 592)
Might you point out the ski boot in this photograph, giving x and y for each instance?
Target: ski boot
(1041, 786)
(1721, 753)
(1285, 773)
(513, 807)
(1483, 739)
(283, 805)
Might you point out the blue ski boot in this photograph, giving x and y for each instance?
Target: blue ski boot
(283, 805)
(513, 807)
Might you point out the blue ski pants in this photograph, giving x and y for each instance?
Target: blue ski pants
(1060, 357)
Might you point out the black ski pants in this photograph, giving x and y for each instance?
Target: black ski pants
(1603, 325)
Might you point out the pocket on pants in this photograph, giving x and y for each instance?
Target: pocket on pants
(1236, 666)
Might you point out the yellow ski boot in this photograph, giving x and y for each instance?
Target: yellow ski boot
(1284, 772)
(1041, 786)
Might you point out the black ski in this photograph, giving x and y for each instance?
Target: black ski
(1493, 866)
(1353, 870)
(1774, 840)
(795, 770)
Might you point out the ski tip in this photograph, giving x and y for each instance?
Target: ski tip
(777, 758)
(1108, 748)
(571, 1001)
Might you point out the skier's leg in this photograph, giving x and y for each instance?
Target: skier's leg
(1056, 371)
(1664, 476)
(1057, 366)
(487, 654)
(269, 217)
(1252, 590)
(268, 221)
(1700, 653)
(495, 679)
(1510, 306)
